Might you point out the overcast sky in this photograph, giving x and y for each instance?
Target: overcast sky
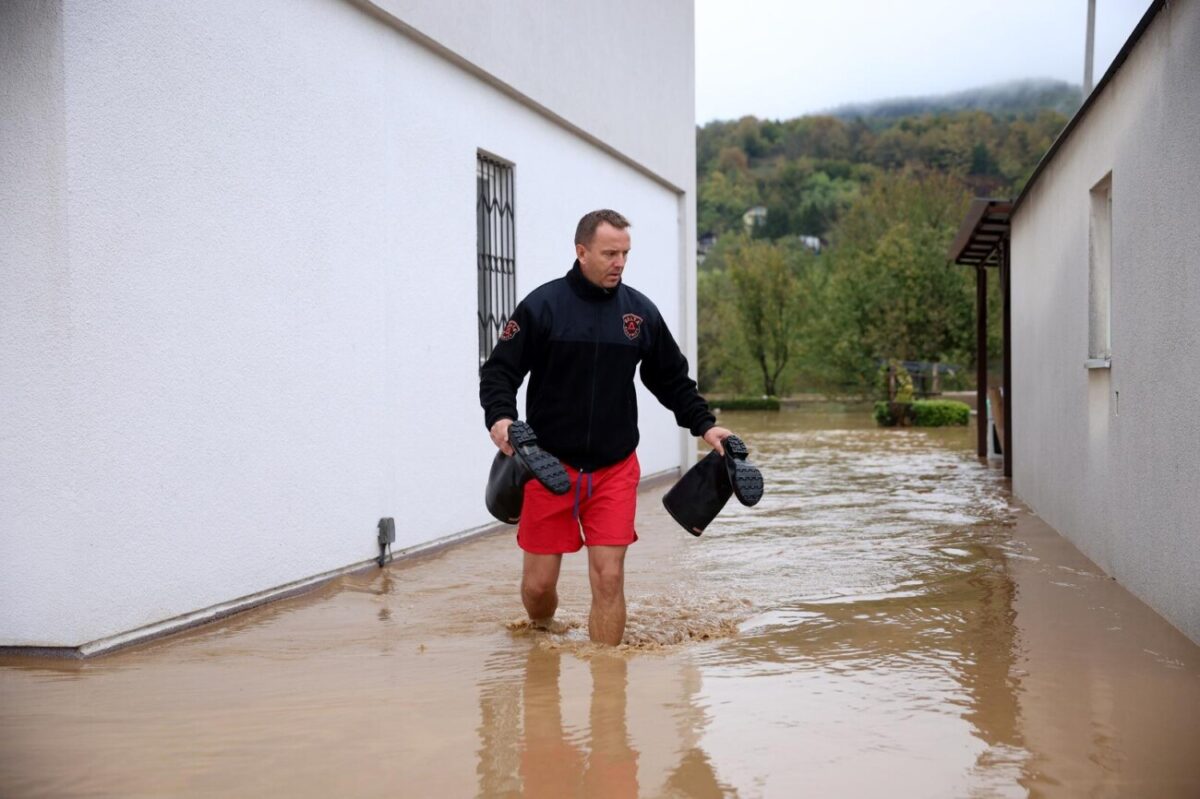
(780, 59)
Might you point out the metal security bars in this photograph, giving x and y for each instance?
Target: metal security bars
(496, 249)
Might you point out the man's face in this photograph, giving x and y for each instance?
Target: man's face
(603, 260)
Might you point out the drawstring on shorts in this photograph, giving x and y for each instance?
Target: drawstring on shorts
(578, 489)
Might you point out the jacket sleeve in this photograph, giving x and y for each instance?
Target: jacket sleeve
(502, 373)
(665, 373)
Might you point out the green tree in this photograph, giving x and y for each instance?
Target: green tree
(724, 365)
(891, 293)
(982, 162)
(766, 295)
(722, 201)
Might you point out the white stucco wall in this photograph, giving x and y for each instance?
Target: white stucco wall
(239, 317)
(1111, 458)
(582, 61)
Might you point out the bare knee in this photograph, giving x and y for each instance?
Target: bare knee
(537, 591)
(539, 579)
(608, 581)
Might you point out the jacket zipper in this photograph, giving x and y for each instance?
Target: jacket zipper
(595, 362)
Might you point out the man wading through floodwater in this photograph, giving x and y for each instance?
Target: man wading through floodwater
(580, 338)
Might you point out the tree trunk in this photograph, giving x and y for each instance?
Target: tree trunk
(768, 382)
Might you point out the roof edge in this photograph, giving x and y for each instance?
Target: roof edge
(377, 10)
(1088, 101)
(993, 212)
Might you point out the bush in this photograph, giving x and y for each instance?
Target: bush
(904, 382)
(747, 404)
(940, 413)
(922, 413)
(891, 414)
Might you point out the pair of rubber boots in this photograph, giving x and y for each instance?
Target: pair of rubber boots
(694, 501)
(505, 493)
(701, 493)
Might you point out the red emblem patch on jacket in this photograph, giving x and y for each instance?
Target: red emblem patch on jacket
(511, 329)
(633, 325)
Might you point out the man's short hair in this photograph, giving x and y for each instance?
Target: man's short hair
(585, 231)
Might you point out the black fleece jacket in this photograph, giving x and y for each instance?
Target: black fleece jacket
(581, 344)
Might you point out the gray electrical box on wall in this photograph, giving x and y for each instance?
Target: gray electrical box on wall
(387, 537)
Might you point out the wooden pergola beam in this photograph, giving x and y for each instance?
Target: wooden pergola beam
(982, 241)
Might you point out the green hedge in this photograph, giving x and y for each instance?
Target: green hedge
(922, 413)
(940, 413)
(747, 404)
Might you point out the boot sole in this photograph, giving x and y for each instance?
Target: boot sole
(744, 477)
(541, 464)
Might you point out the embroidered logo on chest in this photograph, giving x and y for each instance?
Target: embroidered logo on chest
(633, 325)
(511, 329)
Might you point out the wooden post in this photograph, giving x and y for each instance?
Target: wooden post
(981, 374)
(1006, 282)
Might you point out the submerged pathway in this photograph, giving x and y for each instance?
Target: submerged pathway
(887, 622)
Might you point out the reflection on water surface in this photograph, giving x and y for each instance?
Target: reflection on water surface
(887, 622)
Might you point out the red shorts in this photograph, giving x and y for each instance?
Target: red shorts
(597, 511)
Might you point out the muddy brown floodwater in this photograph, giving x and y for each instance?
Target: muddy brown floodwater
(888, 622)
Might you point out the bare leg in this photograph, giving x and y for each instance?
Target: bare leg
(539, 586)
(606, 570)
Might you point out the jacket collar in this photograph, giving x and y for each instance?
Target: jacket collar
(586, 289)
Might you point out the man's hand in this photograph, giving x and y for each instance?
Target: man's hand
(499, 433)
(713, 437)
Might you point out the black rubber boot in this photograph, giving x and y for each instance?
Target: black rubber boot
(744, 476)
(541, 464)
(700, 494)
(505, 493)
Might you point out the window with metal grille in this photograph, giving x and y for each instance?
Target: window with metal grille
(1100, 276)
(496, 249)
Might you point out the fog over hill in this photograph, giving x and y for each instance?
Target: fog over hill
(1014, 97)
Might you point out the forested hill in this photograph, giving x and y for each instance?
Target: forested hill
(1015, 97)
(779, 314)
(807, 171)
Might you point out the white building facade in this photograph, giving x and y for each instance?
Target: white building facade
(239, 246)
(1106, 322)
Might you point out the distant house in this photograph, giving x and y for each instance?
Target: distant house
(754, 217)
(1102, 250)
(812, 243)
(703, 245)
(252, 255)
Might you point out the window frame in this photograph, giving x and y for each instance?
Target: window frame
(495, 247)
(1100, 229)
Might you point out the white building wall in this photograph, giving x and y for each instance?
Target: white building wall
(1111, 458)
(582, 61)
(239, 317)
